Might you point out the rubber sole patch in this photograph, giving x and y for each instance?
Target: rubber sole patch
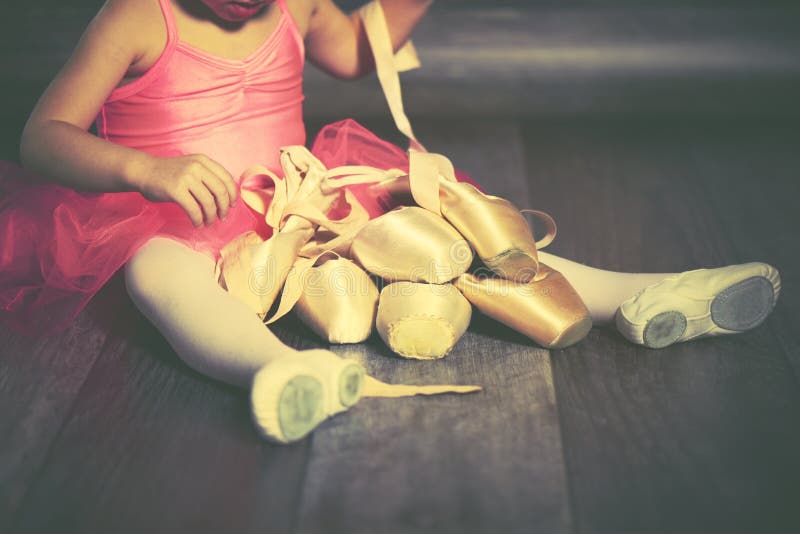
(743, 305)
(664, 329)
(300, 407)
(351, 382)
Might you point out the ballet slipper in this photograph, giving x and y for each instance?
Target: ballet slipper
(700, 303)
(546, 309)
(494, 227)
(338, 302)
(422, 321)
(291, 395)
(410, 243)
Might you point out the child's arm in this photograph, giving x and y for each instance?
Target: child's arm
(56, 144)
(337, 43)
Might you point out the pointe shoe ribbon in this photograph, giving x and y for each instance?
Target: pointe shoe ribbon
(293, 206)
(432, 181)
(375, 388)
(388, 64)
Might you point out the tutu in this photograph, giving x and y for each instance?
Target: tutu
(60, 246)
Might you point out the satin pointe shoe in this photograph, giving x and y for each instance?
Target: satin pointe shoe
(700, 303)
(291, 395)
(547, 309)
(422, 321)
(338, 302)
(410, 243)
(494, 227)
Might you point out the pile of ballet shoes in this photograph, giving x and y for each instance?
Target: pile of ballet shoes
(423, 258)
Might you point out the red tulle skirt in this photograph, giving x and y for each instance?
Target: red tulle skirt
(60, 246)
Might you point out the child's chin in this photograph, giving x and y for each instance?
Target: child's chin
(238, 11)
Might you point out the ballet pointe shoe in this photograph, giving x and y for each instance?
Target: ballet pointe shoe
(700, 303)
(422, 321)
(338, 302)
(410, 243)
(254, 270)
(291, 395)
(547, 309)
(495, 228)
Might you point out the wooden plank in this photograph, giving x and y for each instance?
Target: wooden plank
(152, 446)
(40, 379)
(700, 436)
(486, 462)
(754, 194)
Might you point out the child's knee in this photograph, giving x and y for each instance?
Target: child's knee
(163, 267)
(147, 272)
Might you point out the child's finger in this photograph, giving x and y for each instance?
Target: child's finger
(206, 201)
(220, 193)
(186, 201)
(223, 175)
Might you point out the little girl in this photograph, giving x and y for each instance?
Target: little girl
(186, 95)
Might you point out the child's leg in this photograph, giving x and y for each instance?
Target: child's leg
(210, 329)
(601, 291)
(219, 336)
(657, 310)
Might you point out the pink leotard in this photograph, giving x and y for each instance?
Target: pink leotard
(193, 102)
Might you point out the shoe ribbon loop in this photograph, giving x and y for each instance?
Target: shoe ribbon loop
(549, 222)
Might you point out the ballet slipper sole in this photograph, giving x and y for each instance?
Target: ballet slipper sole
(700, 303)
(548, 309)
(350, 385)
(339, 302)
(287, 402)
(429, 335)
(290, 398)
(410, 243)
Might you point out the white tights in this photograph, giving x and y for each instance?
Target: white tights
(219, 336)
(211, 330)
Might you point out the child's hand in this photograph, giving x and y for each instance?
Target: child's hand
(200, 185)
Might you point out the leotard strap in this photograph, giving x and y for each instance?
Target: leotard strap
(153, 72)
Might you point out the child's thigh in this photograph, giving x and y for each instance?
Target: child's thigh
(164, 266)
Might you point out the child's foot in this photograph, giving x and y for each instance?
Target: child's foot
(704, 302)
(292, 395)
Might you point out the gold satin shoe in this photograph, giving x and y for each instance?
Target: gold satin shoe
(546, 309)
(410, 243)
(422, 321)
(339, 301)
(494, 227)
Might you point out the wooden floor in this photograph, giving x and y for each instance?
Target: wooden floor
(105, 430)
